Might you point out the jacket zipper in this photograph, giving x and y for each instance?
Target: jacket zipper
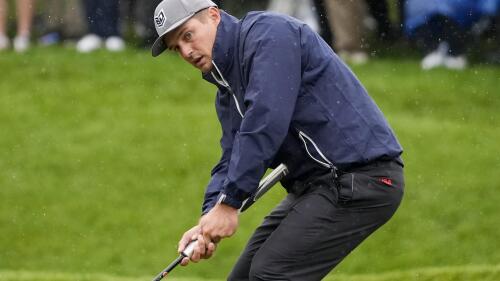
(221, 81)
(324, 162)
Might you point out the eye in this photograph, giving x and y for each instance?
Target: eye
(188, 36)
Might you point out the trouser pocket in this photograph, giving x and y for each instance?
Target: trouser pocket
(380, 185)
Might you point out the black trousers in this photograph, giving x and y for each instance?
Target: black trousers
(308, 234)
(441, 28)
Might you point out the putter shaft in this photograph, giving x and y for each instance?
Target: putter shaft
(188, 251)
(169, 268)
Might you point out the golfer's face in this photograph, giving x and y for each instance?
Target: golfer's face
(194, 41)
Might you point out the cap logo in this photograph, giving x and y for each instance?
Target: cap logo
(160, 19)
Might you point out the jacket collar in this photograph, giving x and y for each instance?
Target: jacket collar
(223, 52)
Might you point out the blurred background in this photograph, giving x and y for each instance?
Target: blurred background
(444, 33)
(105, 151)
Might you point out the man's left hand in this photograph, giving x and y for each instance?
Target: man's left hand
(218, 223)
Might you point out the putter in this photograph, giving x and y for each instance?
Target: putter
(264, 185)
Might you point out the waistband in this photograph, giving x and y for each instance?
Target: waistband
(330, 176)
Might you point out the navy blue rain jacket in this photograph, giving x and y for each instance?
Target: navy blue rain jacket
(284, 96)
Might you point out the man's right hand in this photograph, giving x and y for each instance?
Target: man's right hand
(201, 251)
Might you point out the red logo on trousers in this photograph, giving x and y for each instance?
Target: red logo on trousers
(386, 181)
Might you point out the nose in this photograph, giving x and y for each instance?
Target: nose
(185, 51)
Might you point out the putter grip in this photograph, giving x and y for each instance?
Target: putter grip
(188, 251)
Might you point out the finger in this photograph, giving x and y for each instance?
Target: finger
(199, 249)
(185, 261)
(194, 236)
(202, 245)
(183, 243)
(195, 257)
(210, 250)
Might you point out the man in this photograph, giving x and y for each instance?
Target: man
(285, 97)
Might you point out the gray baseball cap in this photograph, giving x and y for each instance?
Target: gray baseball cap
(170, 14)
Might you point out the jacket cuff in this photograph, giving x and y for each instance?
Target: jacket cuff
(229, 200)
(207, 206)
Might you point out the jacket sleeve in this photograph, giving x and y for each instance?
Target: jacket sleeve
(219, 172)
(272, 63)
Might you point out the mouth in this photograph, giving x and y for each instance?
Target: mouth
(198, 62)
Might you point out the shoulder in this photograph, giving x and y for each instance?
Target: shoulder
(269, 22)
(268, 17)
(269, 27)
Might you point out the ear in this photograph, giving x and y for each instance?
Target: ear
(214, 14)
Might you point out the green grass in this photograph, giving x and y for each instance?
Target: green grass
(104, 158)
(470, 273)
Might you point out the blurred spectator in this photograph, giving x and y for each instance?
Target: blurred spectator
(379, 10)
(137, 21)
(103, 23)
(240, 7)
(492, 35)
(346, 21)
(24, 19)
(61, 20)
(441, 28)
(401, 12)
(300, 9)
(324, 26)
